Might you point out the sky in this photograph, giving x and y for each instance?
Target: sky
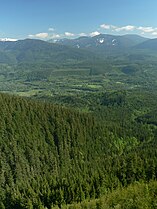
(46, 19)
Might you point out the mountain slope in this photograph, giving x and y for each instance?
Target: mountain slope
(37, 51)
(44, 150)
(139, 195)
(103, 43)
(136, 38)
(148, 45)
(50, 155)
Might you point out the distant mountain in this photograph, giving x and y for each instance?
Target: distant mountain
(136, 38)
(85, 52)
(38, 51)
(103, 43)
(150, 44)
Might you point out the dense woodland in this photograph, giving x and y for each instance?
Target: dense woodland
(53, 156)
(80, 130)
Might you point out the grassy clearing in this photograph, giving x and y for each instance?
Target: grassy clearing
(28, 93)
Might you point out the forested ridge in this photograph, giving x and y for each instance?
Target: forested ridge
(51, 156)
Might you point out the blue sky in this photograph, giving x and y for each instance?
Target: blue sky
(46, 19)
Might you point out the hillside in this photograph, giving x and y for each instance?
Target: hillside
(52, 155)
(136, 39)
(148, 45)
(138, 195)
(37, 51)
(104, 44)
(78, 51)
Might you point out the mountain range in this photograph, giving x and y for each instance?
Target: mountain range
(103, 43)
(72, 51)
(38, 51)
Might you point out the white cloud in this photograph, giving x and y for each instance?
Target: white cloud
(95, 33)
(126, 28)
(147, 29)
(39, 35)
(8, 39)
(51, 29)
(31, 36)
(83, 34)
(68, 34)
(142, 29)
(105, 26)
(54, 36)
(117, 29)
(154, 33)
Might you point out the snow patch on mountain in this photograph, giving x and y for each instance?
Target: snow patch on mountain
(101, 40)
(114, 42)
